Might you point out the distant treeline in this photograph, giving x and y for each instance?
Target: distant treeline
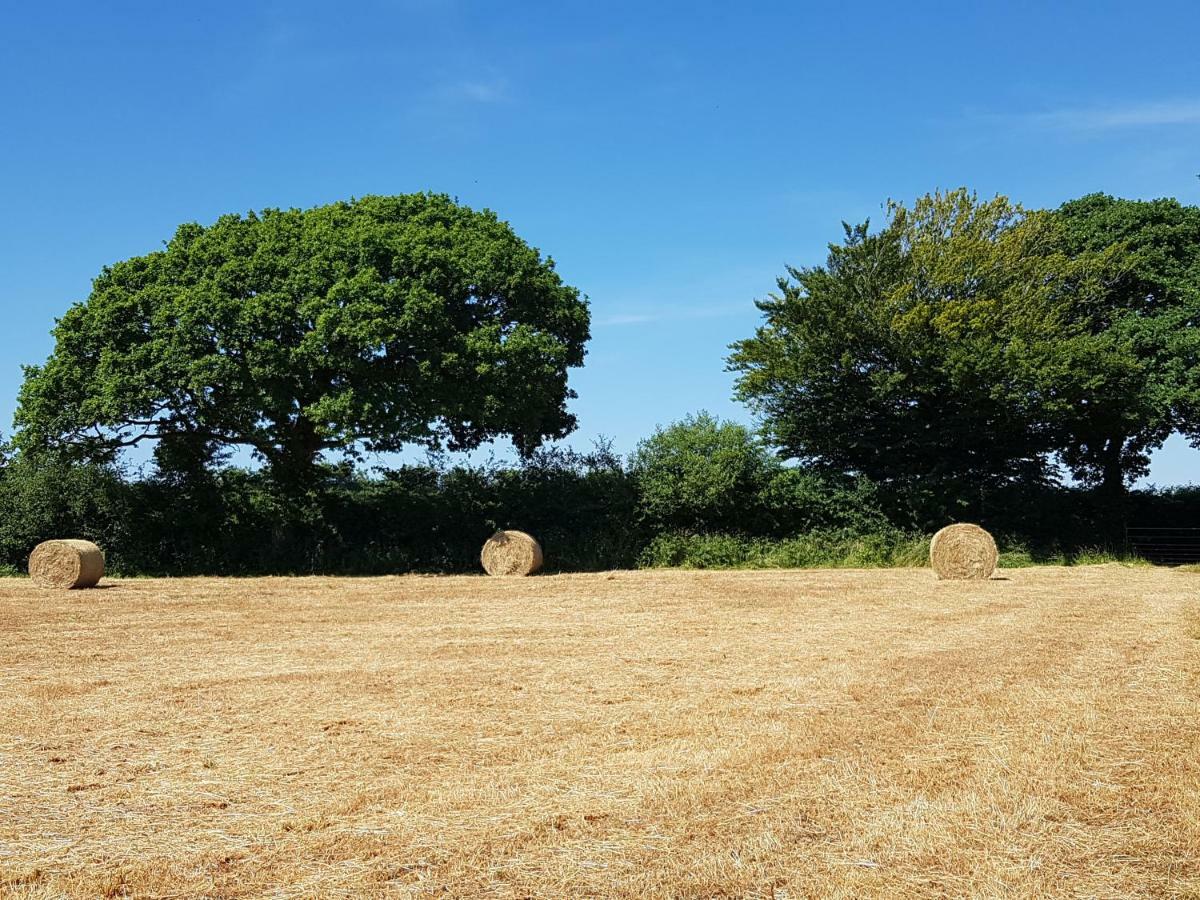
(699, 493)
(968, 360)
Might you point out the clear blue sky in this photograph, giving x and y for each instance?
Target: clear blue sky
(672, 157)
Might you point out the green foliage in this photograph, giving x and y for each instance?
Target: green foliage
(839, 549)
(1142, 343)
(373, 323)
(1097, 556)
(584, 508)
(700, 472)
(51, 498)
(703, 474)
(797, 500)
(413, 519)
(825, 549)
(969, 345)
(581, 507)
(1019, 557)
(938, 369)
(922, 356)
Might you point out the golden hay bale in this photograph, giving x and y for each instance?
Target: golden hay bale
(511, 553)
(962, 552)
(66, 564)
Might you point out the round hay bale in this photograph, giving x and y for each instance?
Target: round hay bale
(66, 564)
(511, 553)
(963, 552)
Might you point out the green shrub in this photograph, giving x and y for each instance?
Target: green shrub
(704, 475)
(824, 549)
(54, 499)
(1096, 556)
(701, 473)
(1019, 558)
(795, 501)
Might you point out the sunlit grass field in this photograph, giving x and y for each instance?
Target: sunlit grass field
(777, 734)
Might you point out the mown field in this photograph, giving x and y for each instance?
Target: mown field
(632, 734)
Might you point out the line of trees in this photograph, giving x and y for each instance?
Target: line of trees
(950, 365)
(971, 346)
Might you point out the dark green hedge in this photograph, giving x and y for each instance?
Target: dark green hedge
(586, 509)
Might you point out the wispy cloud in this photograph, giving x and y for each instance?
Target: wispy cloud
(493, 90)
(629, 319)
(674, 314)
(1149, 114)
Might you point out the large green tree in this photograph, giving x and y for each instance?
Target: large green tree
(928, 355)
(368, 324)
(1143, 329)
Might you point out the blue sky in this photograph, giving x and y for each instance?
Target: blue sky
(671, 157)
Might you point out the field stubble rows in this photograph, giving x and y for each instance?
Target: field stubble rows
(663, 733)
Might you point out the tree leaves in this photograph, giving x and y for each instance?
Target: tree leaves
(970, 344)
(372, 323)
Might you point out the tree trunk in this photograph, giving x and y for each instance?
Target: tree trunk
(294, 463)
(1112, 473)
(1113, 494)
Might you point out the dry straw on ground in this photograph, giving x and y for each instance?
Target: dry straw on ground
(511, 553)
(837, 734)
(963, 552)
(66, 564)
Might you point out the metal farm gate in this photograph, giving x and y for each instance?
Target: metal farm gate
(1165, 546)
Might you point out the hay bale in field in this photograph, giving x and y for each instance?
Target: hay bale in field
(963, 552)
(66, 564)
(511, 553)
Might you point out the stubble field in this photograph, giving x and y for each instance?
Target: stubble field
(629, 734)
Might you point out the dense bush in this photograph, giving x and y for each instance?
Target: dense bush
(55, 499)
(589, 511)
(704, 474)
(419, 518)
(887, 547)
